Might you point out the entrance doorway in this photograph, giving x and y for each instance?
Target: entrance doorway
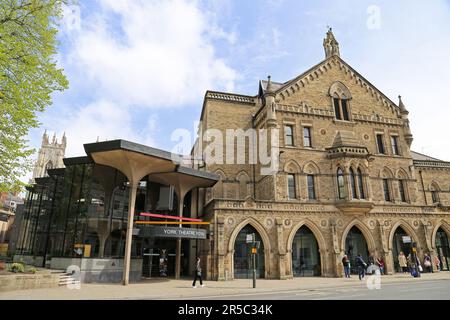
(443, 249)
(401, 243)
(305, 254)
(159, 258)
(243, 256)
(355, 244)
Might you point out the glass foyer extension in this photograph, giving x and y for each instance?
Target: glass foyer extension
(81, 212)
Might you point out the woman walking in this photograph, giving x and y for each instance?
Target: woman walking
(198, 274)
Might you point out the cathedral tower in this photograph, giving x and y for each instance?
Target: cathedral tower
(50, 155)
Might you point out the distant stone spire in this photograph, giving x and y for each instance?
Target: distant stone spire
(402, 106)
(64, 139)
(269, 88)
(54, 138)
(330, 45)
(45, 137)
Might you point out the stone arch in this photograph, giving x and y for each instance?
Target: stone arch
(371, 246)
(264, 236)
(311, 168)
(320, 242)
(401, 174)
(434, 186)
(243, 179)
(340, 90)
(386, 173)
(218, 189)
(292, 166)
(443, 225)
(408, 229)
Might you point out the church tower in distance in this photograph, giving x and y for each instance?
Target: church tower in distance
(50, 155)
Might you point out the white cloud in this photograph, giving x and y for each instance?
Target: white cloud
(104, 120)
(160, 54)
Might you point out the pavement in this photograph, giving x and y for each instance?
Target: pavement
(428, 286)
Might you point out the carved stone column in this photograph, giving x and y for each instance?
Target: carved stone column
(221, 250)
(388, 259)
(338, 268)
(281, 250)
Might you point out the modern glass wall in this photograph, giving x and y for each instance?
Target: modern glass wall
(83, 210)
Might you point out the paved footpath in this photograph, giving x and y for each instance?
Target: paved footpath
(181, 289)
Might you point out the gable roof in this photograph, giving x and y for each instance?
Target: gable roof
(293, 85)
(422, 157)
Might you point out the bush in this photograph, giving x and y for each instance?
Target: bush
(17, 267)
(32, 270)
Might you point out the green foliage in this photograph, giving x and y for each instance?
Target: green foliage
(28, 76)
(32, 270)
(17, 267)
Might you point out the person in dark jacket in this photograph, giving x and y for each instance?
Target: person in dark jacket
(346, 265)
(198, 274)
(361, 265)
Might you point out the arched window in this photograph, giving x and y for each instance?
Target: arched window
(340, 184)
(341, 97)
(434, 193)
(353, 184)
(401, 190)
(361, 184)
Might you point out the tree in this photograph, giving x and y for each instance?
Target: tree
(28, 77)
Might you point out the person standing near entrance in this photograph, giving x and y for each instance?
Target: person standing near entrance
(380, 264)
(198, 274)
(403, 262)
(346, 264)
(427, 263)
(437, 263)
(361, 266)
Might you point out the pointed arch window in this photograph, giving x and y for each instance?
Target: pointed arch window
(311, 187)
(341, 97)
(340, 183)
(401, 189)
(353, 183)
(386, 191)
(360, 184)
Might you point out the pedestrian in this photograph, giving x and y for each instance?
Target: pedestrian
(437, 263)
(346, 264)
(361, 266)
(427, 263)
(198, 274)
(403, 262)
(380, 263)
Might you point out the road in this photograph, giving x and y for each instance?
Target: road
(427, 290)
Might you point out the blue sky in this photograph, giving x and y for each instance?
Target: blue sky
(138, 70)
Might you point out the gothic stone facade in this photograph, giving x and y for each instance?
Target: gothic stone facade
(50, 155)
(417, 186)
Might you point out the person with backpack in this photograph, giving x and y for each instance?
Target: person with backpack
(346, 264)
(198, 274)
(361, 266)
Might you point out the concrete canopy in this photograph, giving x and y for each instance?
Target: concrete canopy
(136, 161)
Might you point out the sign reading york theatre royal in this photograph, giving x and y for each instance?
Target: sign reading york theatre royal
(172, 232)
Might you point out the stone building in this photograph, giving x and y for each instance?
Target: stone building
(347, 181)
(50, 155)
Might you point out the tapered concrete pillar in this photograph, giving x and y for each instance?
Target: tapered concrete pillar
(178, 249)
(129, 236)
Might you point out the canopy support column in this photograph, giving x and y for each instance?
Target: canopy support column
(129, 236)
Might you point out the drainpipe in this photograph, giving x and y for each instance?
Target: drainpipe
(423, 187)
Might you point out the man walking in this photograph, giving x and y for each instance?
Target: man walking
(361, 266)
(198, 274)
